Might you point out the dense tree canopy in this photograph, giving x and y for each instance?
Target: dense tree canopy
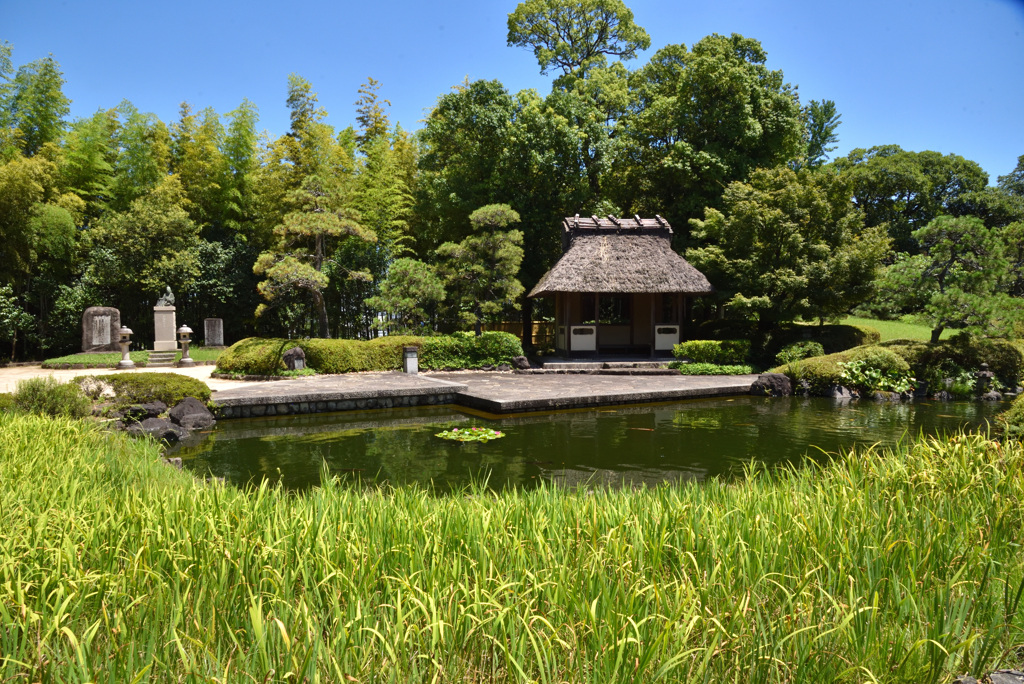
(787, 245)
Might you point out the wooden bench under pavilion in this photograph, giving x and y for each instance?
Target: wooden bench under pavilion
(619, 287)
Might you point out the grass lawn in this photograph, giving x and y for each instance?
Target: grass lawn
(110, 359)
(895, 566)
(892, 330)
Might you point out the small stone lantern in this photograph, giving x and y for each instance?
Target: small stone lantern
(125, 340)
(184, 337)
(410, 360)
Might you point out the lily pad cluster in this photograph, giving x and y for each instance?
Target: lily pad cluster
(474, 434)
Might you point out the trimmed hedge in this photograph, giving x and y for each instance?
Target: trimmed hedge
(719, 352)
(710, 368)
(262, 356)
(140, 388)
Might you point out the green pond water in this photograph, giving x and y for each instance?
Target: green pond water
(618, 446)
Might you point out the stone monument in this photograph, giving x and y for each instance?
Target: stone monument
(100, 326)
(164, 323)
(213, 329)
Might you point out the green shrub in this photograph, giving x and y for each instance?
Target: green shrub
(6, 402)
(49, 396)
(961, 353)
(713, 351)
(822, 372)
(795, 351)
(711, 368)
(259, 356)
(863, 375)
(468, 351)
(254, 356)
(350, 356)
(1011, 422)
(140, 388)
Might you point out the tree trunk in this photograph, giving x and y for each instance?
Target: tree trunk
(478, 326)
(936, 334)
(321, 306)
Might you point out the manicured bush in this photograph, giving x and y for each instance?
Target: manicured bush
(822, 372)
(468, 351)
(795, 351)
(711, 368)
(255, 356)
(961, 353)
(351, 356)
(139, 388)
(49, 396)
(261, 356)
(713, 351)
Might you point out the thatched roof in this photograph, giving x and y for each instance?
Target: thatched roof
(620, 256)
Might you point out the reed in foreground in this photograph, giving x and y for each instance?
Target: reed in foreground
(902, 566)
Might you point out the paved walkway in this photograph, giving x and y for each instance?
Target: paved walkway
(510, 393)
(491, 392)
(9, 377)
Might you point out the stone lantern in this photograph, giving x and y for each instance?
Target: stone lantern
(184, 337)
(125, 340)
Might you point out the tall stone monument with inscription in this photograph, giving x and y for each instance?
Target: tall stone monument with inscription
(164, 323)
(99, 329)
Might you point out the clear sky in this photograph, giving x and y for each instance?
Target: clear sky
(944, 75)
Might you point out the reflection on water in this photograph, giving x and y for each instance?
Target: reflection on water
(612, 446)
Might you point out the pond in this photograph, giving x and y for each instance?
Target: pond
(618, 446)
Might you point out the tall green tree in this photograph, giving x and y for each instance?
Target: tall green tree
(789, 245)
(33, 106)
(87, 163)
(480, 272)
(955, 279)
(143, 155)
(821, 119)
(138, 252)
(314, 185)
(407, 296)
(1013, 182)
(905, 191)
(699, 120)
(576, 36)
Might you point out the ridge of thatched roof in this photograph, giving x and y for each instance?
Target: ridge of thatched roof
(620, 256)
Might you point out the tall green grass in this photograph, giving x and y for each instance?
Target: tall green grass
(900, 566)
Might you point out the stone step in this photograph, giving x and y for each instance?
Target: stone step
(161, 359)
(602, 365)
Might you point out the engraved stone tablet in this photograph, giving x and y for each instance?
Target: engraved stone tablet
(214, 332)
(99, 329)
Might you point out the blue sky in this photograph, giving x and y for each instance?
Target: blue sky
(937, 75)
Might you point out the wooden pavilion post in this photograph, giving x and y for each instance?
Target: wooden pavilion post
(597, 324)
(654, 327)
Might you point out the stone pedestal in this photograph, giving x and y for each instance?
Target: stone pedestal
(165, 328)
(100, 326)
(213, 332)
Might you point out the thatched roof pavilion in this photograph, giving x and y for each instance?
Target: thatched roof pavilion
(619, 286)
